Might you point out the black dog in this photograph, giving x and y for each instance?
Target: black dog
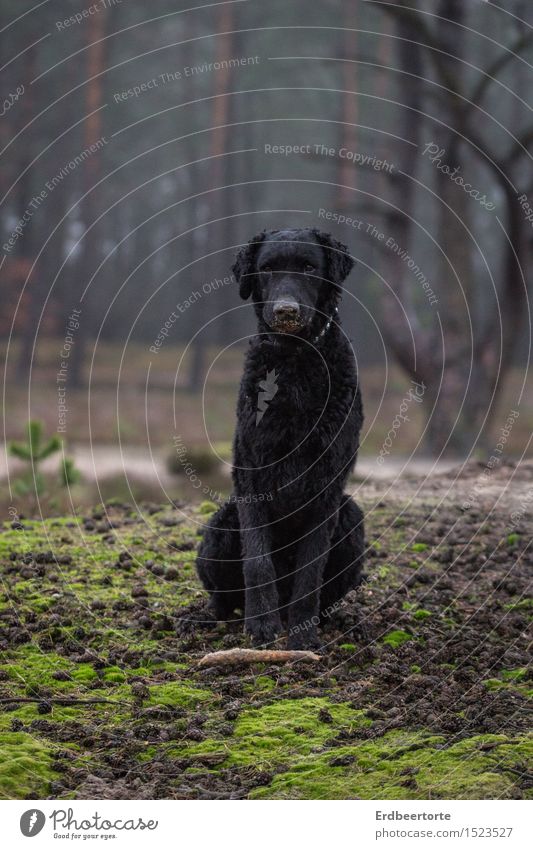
(288, 544)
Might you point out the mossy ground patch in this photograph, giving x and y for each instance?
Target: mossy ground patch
(423, 691)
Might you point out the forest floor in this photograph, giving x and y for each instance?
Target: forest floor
(422, 691)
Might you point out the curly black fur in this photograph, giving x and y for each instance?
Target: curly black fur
(288, 544)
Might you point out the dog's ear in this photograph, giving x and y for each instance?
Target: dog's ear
(340, 263)
(244, 265)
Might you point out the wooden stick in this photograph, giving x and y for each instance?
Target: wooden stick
(59, 700)
(233, 657)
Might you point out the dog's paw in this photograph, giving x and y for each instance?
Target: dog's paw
(263, 629)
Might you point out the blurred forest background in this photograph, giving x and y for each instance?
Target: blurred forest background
(141, 144)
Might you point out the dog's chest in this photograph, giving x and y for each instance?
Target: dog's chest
(284, 406)
(288, 417)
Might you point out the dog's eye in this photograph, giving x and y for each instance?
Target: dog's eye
(309, 269)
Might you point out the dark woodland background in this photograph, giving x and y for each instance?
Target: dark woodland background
(180, 178)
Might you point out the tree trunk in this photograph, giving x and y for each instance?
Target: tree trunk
(218, 170)
(418, 349)
(26, 248)
(90, 253)
(346, 176)
(403, 333)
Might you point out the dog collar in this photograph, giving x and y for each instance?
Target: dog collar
(314, 341)
(326, 326)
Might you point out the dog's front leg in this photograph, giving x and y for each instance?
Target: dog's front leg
(312, 556)
(262, 619)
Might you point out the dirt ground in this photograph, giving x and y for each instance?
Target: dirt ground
(422, 692)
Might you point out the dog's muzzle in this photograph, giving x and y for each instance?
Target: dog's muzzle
(287, 316)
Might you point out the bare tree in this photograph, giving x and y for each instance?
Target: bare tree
(90, 207)
(217, 170)
(26, 248)
(430, 57)
(349, 105)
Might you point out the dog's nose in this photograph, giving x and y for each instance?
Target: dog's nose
(286, 310)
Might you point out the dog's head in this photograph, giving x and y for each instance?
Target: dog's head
(295, 278)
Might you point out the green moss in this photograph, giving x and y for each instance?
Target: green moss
(523, 604)
(514, 674)
(514, 679)
(262, 683)
(419, 546)
(421, 614)
(83, 673)
(512, 539)
(416, 669)
(396, 638)
(178, 694)
(114, 674)
(405, 765)
(207, 507)
(292, 727)
(493, 684)
(25, 767)
(114, 712)
(31, 668)
(348, 647)
(278, 734)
